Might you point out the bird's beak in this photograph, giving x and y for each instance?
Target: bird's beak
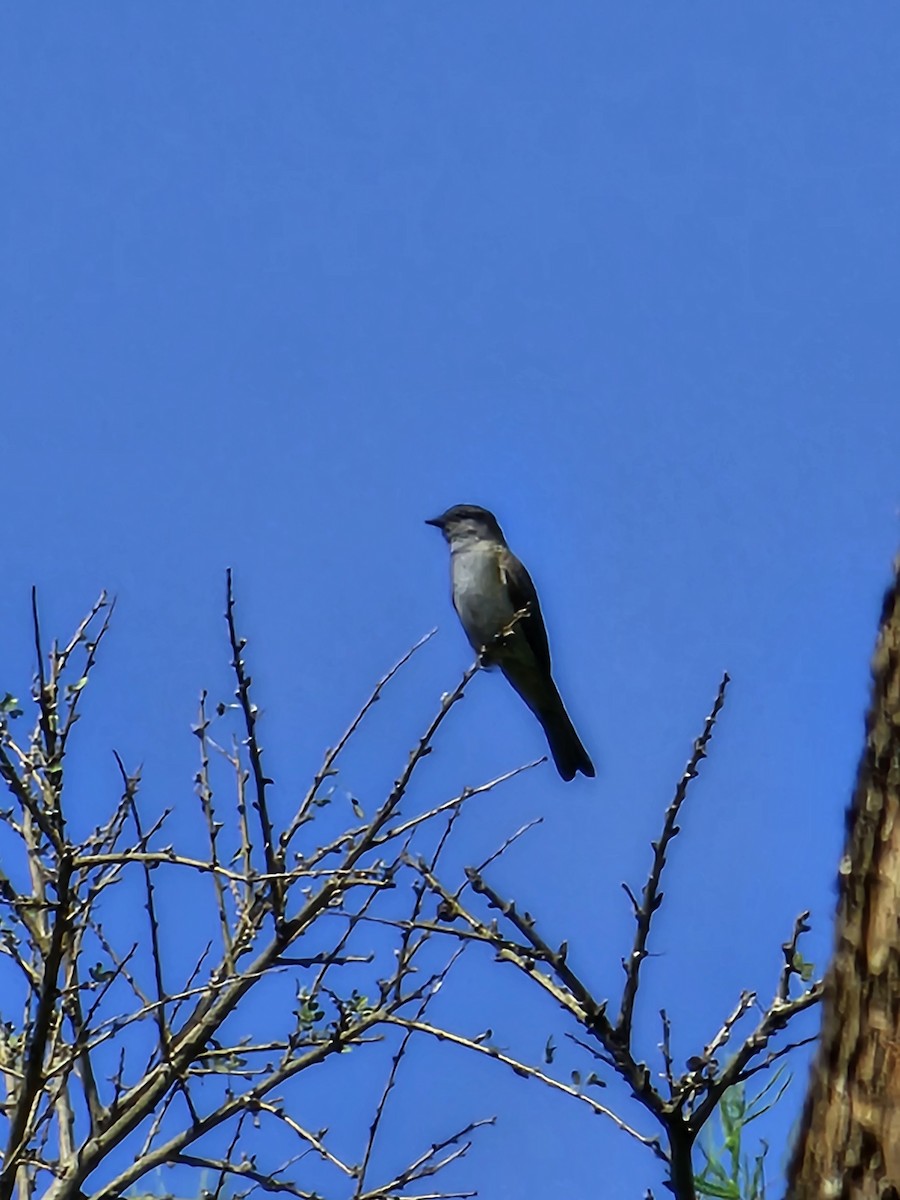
(437, 522)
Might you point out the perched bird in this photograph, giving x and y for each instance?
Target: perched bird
(489, 587)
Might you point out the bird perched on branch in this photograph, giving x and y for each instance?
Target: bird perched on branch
(496, 602)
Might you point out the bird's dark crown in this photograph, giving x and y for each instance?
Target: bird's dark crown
(462, 515)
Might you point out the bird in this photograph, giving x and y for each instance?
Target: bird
(489, 587)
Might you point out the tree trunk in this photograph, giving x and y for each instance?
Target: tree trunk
(848, 1147)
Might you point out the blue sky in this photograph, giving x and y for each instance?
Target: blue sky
(278, 282)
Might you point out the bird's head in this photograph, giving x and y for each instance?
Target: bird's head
(468, 522)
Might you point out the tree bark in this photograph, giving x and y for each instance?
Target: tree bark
(848, 1147)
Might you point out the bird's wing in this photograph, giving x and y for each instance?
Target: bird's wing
(522, 593)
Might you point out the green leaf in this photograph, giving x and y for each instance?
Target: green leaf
(804, 969)
(726, 1191)
(729, 1174)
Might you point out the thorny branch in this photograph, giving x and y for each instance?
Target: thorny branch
(260, 780)
(651, 897)
(80, 1048)
(79, 1082)
(691, 1096)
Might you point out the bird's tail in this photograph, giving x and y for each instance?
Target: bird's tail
(568, 753)
(540, 693)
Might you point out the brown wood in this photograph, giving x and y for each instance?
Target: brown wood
(848, 1147)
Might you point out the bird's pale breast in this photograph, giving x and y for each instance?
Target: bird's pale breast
(479, 593)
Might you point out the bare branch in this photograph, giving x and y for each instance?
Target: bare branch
(791, 966)
(528, 1072)
(450, 805)
(260, 780)
(651, 897)
(61, 659)
(665, 1047)
(44, 1015)
(430, 1163)
(205, 792)
(327, 767)
(131, 784)
(773, 1021)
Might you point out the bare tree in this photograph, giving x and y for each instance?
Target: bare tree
(849, 1141)
(681, 1104)
(111, 1069)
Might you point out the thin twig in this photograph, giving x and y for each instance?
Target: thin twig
(450, 805)
(789, 950)
(260, 780)
(131, 784)
(651, 897)
(528, 1072)
(773, 1020)
(665, 1047)
(62, 659)
(429, 1164)
(205, 792)
(327, 767)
